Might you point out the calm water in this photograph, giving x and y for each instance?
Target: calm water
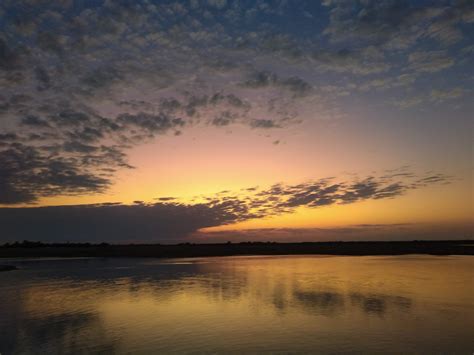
(421, 304)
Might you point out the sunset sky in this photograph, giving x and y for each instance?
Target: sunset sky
(216, 120)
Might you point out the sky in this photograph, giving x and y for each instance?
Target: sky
(216, 120)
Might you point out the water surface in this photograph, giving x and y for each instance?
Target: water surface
(298, 304)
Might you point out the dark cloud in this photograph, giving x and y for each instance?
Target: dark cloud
(70, 118)
(9, 58)
(368, 60)
(43, 78)
(34, 121)
(87, 134)
(8, 137)
(100, 78)
(297, 86)
(150, 123)
(281, 44)
(75, 146)
(169, 218)
(263, 123)
(114, 222)
(164, 199)
(226, 118)
(49, 42)
(27, 173)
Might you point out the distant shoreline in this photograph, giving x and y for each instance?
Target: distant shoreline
(36, 249)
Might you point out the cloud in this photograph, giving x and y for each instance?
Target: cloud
(9, 58)
(86, 142)
(217, 3)
(444, 95)
(171, 219)
(111, 222)
(409, 102)
(396, 24)
(437, 96)
(388, 82)
(34, 121)
(27, 173)
(264, 79)
(262, 123)
(424, 61)
(368, 60)
(446, 27)
(150, 123)
(83, 84)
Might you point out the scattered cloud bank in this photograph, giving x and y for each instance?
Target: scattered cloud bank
(171, 220)
(83, 82)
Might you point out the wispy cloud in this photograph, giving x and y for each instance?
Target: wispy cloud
(170, 218)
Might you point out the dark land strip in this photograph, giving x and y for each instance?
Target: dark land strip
(38, 249)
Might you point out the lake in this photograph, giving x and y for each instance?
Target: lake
(283, 304)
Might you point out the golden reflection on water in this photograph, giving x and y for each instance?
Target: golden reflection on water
(243, 304)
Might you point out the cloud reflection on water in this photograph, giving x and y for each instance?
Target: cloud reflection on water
(118, 305)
